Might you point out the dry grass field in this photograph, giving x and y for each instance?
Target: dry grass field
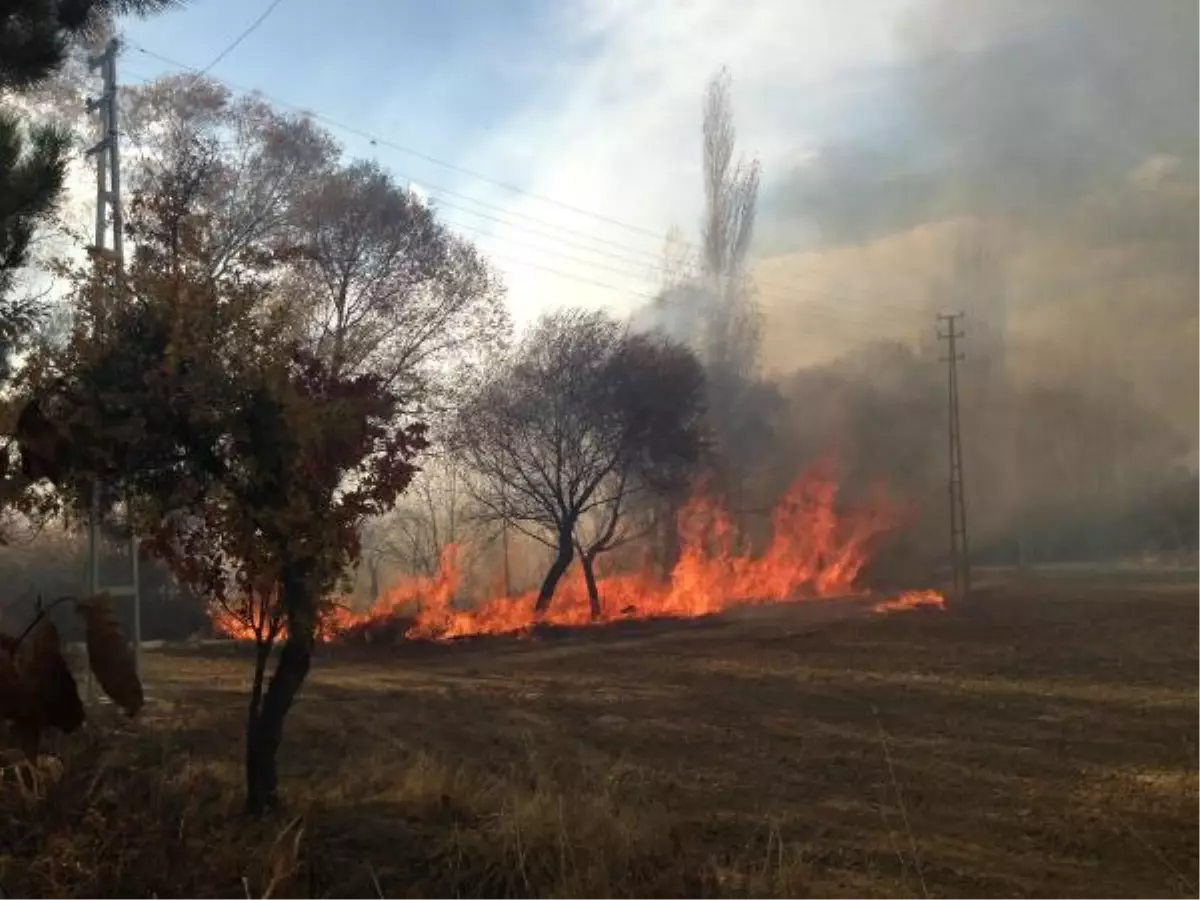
(1040, 741)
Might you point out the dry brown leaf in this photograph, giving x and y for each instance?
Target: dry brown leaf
(110, 655)
(49, 680)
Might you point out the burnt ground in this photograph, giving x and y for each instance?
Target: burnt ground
(1040, 740)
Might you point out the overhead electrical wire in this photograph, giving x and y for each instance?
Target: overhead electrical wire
(236, 42)
(826, 314)
(376, 140)
(649, 258)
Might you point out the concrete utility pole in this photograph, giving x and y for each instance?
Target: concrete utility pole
(960, 556)
(108, 210)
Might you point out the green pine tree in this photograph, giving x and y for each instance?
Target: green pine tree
(35, 38)
(33, 165)
(36, 35)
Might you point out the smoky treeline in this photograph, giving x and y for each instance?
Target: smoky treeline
(1043, 182)
(1045, 185)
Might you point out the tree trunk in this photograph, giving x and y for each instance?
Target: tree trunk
(262, 652)
(562, 561)
(589, 576)
(266, 733)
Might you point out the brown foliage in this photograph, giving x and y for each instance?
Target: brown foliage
(43, 447)
(109, 655)
(51, 684)
(40, 691)
(37, 689)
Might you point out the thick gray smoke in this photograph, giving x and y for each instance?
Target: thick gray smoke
(1042, 178)
(1013, 110)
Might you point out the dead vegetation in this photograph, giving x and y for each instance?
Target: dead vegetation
(1041, 741)
(37, 688)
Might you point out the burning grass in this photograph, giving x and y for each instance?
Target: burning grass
(1040, 742)
(818, 549)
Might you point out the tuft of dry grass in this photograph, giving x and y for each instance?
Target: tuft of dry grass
(1039, 741)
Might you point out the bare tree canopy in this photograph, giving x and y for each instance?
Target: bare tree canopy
(386, 284)
(433, 513)
(261, 161)
(362, 270)
(709, 303)
(583, 417)
(730, 203)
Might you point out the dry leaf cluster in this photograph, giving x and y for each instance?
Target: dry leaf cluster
(37, 689)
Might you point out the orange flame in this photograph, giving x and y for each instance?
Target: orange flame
(815, 551)
(226, 624)
(910, 600)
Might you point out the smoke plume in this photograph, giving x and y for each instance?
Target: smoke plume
(1042, 179)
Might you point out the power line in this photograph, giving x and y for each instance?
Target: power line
(555, 234)
(377, 140)
(827, 315)
(645, 257)
(788, 290)
(487, 235)
(374, 139)
(693, 270)
(838, 314)
(233, 45)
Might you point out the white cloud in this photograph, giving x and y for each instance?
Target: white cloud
(622, 137)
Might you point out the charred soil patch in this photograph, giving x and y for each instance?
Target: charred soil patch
(1038, 741)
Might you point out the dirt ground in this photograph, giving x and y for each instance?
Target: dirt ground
(1040, 740)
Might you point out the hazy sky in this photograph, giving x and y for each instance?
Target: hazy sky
(593, 103)
(1062, 134)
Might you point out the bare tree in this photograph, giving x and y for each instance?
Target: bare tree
(358, 269)
(678, 260)
(391, 287)
(714, 310)
(584, 417)
(730, 204)
(707, 298)
(433, 513)
(262, 161)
